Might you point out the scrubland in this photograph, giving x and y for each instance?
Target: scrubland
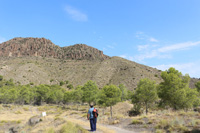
(72, 119)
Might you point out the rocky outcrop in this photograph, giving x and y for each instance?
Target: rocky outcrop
(82, 51)
(41, 47)
(34, 120)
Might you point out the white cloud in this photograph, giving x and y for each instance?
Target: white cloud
(152, 51)
(76, 14)
(109, 46)
(191, 68)
(142, 47)
(142, 36)
(151, 39)
(180, 46)
(2, 39)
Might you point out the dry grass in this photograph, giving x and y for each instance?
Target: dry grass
(56, 121)
(166, 120)
(171, 121)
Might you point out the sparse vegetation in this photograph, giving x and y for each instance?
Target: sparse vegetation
(178, 97)
(72, 128)
(135, 121)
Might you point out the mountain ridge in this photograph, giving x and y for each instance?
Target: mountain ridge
(21, 47)
(77, 64)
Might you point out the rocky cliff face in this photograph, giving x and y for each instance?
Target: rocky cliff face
(22, 47)
(82, 51)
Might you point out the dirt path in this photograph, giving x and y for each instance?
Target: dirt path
(100, 127)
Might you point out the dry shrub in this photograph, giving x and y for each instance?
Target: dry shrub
(50, 130)
(18, 112)
(160, 131)
(25, 108)
(72, 128)
(136, 121)
(112, 122)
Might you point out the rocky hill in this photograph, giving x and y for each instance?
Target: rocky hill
(39, 61)
(41, 47)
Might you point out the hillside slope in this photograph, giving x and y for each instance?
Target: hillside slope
(77, 64)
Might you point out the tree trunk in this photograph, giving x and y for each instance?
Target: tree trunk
(111, 111)
(146, 108)
(77, 107)
(41, 101)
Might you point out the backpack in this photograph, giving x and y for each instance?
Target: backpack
(95, 113)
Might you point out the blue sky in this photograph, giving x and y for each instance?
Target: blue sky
(157, 33)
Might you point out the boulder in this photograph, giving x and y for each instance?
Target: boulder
(34, 120)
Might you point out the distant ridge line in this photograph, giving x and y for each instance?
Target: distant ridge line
(41, 47)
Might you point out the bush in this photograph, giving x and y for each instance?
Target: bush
(61, 83)
(72, 128)
(70, 86)
(135, 121)
(1, 77)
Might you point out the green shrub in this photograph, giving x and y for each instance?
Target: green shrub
(72, 113)
(26, 108)
(160, 131)
(61, 83)
(135, 121)
(72, 128)
(50, 130)
(4, 121)
(18, 112)
(107, 113)
(162, 124)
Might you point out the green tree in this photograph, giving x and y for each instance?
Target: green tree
(9, 94)
(62, 83)
(68, 96)
(78, 94)
(129, 94)
(90, 91)
(174, 91)
(51, 80)
(145, 94)
(1, 77)
(24, 96)
(191, 98)
(101, 102)
(10, 82)
(42, 93)
(110, 95)
(124, 92)
(66, 82)
(70, 86)
(198, 86)
(56, 94)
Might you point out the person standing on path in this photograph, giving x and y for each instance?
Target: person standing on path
(91, 117)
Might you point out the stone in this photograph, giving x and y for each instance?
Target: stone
(34, 120)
